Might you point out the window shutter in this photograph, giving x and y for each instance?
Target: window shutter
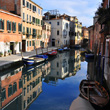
(15, 26)
(3, 25)
(36, 21)
(21, 27)
(7, 25)
(10, 26)
(30, 30)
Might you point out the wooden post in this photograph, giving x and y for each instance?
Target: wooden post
(22, 53)
(88, 93)
(47, 48)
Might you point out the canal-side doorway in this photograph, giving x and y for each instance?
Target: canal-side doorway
(24, 45)
(12, 47)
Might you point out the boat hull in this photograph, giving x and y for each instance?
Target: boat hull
(94, 92)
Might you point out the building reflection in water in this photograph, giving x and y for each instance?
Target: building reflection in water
(11, 90)
(32, 84)
(65, 65)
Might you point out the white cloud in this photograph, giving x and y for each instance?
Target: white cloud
(83, 9)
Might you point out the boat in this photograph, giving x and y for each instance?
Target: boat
(66, 48)
(32, 60)
(52, 53)
(42, 56)
(89, 56)
(94, 92)
(60, 50)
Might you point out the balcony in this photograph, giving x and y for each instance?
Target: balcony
(34, 35)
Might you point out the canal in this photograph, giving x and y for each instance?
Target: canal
(52, 85)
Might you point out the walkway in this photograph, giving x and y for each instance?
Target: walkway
(14, 58)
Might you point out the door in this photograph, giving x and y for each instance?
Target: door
(12, 47)
(23, 45)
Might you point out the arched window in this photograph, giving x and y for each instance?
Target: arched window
(10, 90)
(3, 94)
(14, 87)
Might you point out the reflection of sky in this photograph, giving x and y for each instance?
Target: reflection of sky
(61, 96)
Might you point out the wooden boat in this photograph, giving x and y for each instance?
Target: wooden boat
(77, 46)
(32, 60)
(94, 92)
(52, 53)
(42, 56)
(89, 56)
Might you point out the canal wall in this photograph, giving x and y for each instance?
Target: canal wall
(13, 60)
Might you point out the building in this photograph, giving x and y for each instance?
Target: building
(32, 85)
(46, 34)
(10, 33)
(85, 33)
(59, 29)
(31, 15)
(11, 89)
(75, 32)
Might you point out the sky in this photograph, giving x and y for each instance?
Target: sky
(83, 9)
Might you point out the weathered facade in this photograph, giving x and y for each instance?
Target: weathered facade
(10, 33)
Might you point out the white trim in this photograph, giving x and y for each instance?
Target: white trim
(10, 13)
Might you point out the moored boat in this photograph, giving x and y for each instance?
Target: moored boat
(66, 48)
(60, 50)
(94, 92)
(42, 56)
(32, 60)
(52, 53)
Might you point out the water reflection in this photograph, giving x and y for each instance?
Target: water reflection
(22, 86)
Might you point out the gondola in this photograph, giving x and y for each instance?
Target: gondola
(42, 56)
(94, 92)
(89, 56)
(52, 53)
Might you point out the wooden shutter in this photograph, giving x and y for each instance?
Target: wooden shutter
(0, 23)
(15, 26)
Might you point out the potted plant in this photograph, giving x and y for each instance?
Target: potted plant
(9, 52)
(1, 54)
(5, 53)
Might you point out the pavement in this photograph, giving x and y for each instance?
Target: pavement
(18, 57)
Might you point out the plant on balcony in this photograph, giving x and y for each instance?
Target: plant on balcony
(34, 35)
(39, 36)
(24, 33)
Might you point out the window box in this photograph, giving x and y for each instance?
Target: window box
(14, 31)
(24, 33)
(23, 20)
(19, 32)
(23, 6)
(1, 30)
(33, 23)
(27, 21)
(9, 31)
(30, 22)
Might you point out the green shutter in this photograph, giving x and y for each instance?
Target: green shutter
(0, 23)
(3, 25)
(30, 30)
(36, 21)
(41, 22)
(10, 25)
(7, 25)
(15, 26)
(21, 27)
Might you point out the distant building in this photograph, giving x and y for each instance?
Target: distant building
(85, 33)
(46, 34)
(75, 29)
(59, 29)
(31, 15)
(10, 33)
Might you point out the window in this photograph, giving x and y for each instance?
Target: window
(1, 24)
(58, 32)
(20, 27)
(27, 30)
(27, 44)
(58, 23)
(33, 19)
(23, 16)
(57, 64)
(33, 84)
(30, 6)
(30, 31)
(28, 89)
(9, 90)
(33, 43)
(30, 18)
(34, 8)
(67, 25)
(20, 83)
(23, 30)
(23, 2)
(57, 73)
(49, 22)
(13, 26)
(27, 4)
(9, 25)
(38, 11)
(27, 17)
(28, 100)
(3, 94)
(30, 43)
(14, 87)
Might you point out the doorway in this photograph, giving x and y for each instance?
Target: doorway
(12, 47)
(24, 45)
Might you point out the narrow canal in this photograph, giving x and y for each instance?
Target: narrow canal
(52, 85)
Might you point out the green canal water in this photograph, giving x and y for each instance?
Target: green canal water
(52, 85)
